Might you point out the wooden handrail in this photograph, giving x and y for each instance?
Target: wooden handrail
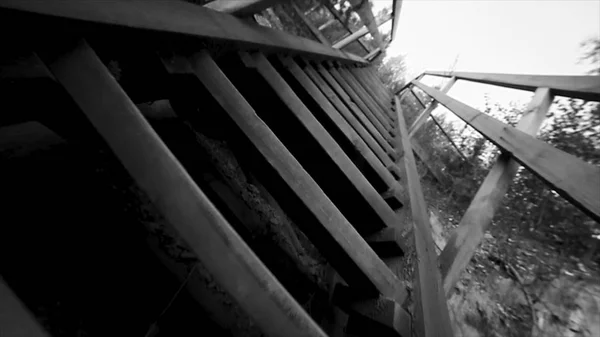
(571, 177)
(584, 87)
(182, 18)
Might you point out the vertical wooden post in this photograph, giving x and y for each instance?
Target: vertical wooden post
(216, 244)
(466, 238)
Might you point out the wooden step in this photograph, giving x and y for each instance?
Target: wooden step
(387, 243)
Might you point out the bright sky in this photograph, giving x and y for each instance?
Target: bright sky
(534, 37)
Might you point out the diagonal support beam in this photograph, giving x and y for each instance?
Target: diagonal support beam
(420, 120)
(466, 238)
(431, 311)
(571, 177)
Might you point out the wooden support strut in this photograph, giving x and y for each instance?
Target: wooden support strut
(420, 120)
(314, 30)
(383, 142)
(431, 311)
(571, 177)
(383, 103)
(466, 238)
(231, 262)
(337, 155)
(321, 97)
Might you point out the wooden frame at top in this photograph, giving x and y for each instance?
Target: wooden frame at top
(182, 18)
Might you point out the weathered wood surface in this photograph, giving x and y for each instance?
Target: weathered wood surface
(181, 18)
(380, 92)
(383, 104)
(366, 99)
(383, 142)
(321, 97)
(363, 9)
(350, 118)
(327, 24)
(571, 177)
(364, 110)
(371, 272)
(422, 118)
(329, 145)
(141, 151)
(466, 238)
(431, 311)
(240, 7)
(364, 30)
(367, 92)
(314, 30)
(339, 18)
(396, 11)
(584, 87)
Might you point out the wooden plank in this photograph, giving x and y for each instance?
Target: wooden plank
(366, 99)
(383, 142)
(321, 97)
(370, 268)
(571, 177)
(183, 18)
(314, 30)
(431, 311)
(337, 15)
(370, 96)
(466, 238)
(396, 11)
(363, 9)
(327, 24)
(141, 151)
(240, 7)
(370, 56)
(376, 96)
(350, 118)
(372, 72)
(384, 130)
(377, 87)
(335, 152)
(15, 319)
(584, 87)
(420, 120)
(357, 34)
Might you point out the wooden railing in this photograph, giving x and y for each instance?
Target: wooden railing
(571, 177)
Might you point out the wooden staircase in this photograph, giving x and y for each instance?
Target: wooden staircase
(315, 125)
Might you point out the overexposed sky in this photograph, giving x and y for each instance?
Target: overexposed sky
(504, 36)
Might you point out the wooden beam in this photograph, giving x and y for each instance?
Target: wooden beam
(321, 97)
(216, 244)
(466, 238)
(571, 177)
(371, 97)
(384, 130)
(329, 145)
(337, 86)
(370, 56)
(584, 87)
(431, 311)
(184, 19)
(420, 120)
(337, 15)
(240, 7)
(396, 11)
(357, 35)
(375, 94)
(368, 270)
(327, 24)
(314, 30)
(377, 87)
(367, 137)
(363, 9)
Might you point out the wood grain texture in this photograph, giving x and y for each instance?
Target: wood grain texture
(571, 177)
(383, 142)
(184, 18)
(384, 130)
(431, 311)
(349, 117)
(329, 145)
(422, 118)
(466, 238)
(240, 7)
(376, 96)
(584, 87)
(320, 96)
(224, 253)
(372, 269)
